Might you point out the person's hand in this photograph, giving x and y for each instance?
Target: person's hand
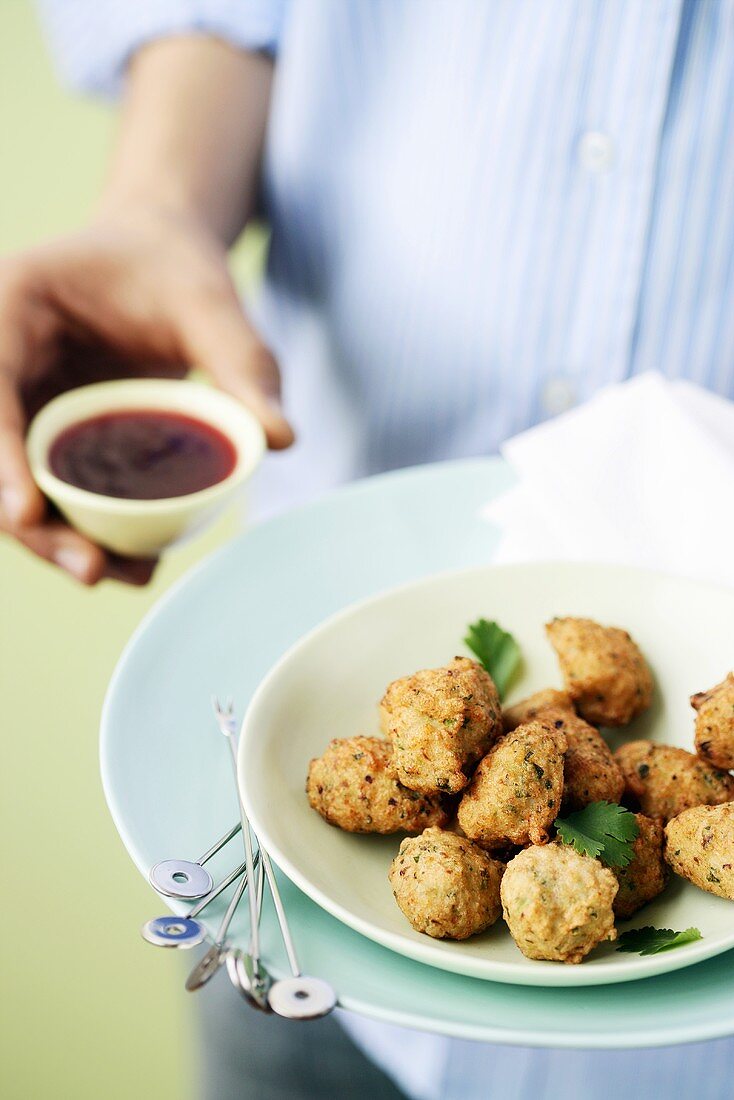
(139, 292)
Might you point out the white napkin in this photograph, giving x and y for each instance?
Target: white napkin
(642, 474)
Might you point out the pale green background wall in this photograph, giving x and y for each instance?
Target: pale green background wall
(89, 1012)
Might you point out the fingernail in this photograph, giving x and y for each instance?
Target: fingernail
(12, 503)
(73, 561)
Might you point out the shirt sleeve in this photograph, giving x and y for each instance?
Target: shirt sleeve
(93, 40)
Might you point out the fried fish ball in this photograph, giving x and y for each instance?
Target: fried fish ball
(355, 786)
(645, 877)
(664, 780)
(699, 846)
(441, 721)
(715, 723)
(590, 772)
(557, 903)
(516, 791)
(446, 886)
(534, 707)
(604, 672)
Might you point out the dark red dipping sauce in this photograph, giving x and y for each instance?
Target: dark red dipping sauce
(142, 454)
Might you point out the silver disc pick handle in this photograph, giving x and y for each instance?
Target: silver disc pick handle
(299, 997)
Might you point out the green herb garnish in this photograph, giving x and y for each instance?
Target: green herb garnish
(649, 940)
(496, 650)
(603, 830)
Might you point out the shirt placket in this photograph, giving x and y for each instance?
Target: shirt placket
(614, 155)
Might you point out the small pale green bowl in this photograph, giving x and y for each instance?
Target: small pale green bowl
(143, 528)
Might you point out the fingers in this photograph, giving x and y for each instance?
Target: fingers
(83, 560)
(20, 498)
(218, 338)
(57, 543)
(135, 571)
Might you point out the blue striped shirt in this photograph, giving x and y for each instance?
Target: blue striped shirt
(481, 213)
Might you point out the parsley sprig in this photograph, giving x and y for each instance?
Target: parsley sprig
(650, 941)
(603, 830)
(496, 650)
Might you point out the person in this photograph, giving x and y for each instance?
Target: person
(480, 212)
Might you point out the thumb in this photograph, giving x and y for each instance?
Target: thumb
(218, 337)
(21, 501)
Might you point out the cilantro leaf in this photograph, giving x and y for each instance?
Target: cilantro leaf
(650, 941)
(603, 830)
(580, 836)
(496, 650)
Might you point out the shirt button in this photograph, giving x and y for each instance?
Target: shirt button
(557, 396)
(596, 151)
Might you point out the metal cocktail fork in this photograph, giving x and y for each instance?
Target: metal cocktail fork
(173, 931)
(185, 878)
(216, 956)
(300, 996)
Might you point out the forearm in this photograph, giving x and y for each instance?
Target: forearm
(191, 132)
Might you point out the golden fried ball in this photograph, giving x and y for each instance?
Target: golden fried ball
(441, 722)
(355, 786)
(664, 780)
(557, 903)
(534, 707)
(645, 877)
(604, 672)
(516, 791)
(699, 846)
(446, 886)
(590, 772)
(715, 723)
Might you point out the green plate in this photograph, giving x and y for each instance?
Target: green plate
(168, 784)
